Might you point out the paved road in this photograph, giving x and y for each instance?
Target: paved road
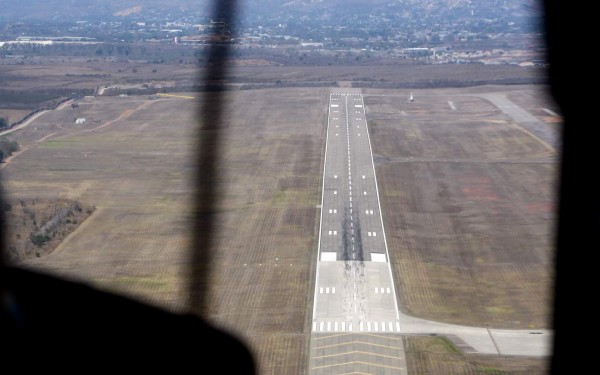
(355, 319)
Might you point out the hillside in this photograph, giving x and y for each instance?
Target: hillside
(410, 10)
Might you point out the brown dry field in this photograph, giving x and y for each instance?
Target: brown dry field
(138, 171)
(79, 74)
(13, 115)
(468, 204)
(83, 73)
(468, 219)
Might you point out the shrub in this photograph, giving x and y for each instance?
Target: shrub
(39, 239)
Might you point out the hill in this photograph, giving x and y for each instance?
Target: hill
(410, 10)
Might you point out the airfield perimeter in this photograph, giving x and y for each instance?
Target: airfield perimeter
(467, 197)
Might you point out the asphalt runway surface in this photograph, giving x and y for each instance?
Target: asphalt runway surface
(355, 318)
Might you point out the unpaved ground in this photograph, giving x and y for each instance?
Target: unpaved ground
(13, 115)
(37, 226)
(136, 167)
(468, 203)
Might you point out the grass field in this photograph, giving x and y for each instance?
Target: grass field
(468, 203)
(467, 199)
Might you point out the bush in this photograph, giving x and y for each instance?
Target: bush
(39, 239)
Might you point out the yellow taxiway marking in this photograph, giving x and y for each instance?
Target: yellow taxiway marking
(356, 342)
(358, 362)
(177, 96)
(359, 352)
(518, 126)
(332, 336)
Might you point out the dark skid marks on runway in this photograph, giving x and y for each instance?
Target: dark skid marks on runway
(351, 241)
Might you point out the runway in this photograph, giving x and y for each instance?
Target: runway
(356, 324)
(356, 320)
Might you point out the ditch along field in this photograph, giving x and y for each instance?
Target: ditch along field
(467, 199)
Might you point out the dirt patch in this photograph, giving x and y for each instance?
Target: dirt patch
(37, 226)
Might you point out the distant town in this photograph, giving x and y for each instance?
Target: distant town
(485, 36)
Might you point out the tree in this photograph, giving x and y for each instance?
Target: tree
(3, 123)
